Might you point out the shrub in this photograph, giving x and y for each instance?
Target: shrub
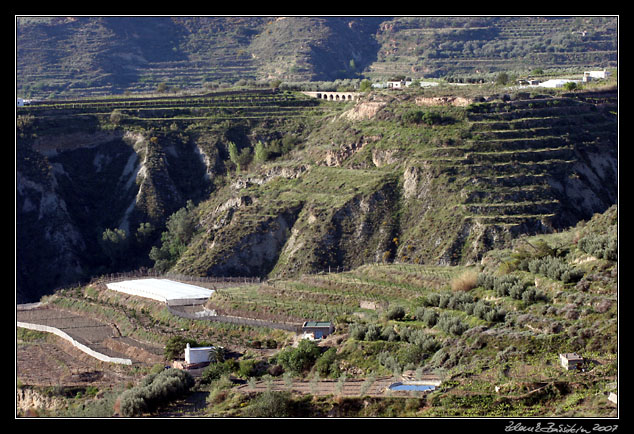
(247, 368)
(443, 302)
(413, 117)
(483, 311)
(432, 300)
(396, 313)
(325, 364)
(452, 325)
(389, 362)
(602, 246)
(357, 331)
(505, 285)
(216, 370)
(301, 358)
(389, 334)
(430, 317)
(427, 316)
(373, 332)
(486, 280)
(459, 301)
(424, 341)
(132, 402)
(271, 404)
(155, 390)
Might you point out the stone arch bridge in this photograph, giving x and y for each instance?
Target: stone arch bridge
(335, 96)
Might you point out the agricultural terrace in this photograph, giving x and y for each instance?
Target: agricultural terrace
(185, 110)
(326, 296)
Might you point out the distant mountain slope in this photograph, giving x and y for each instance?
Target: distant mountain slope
(90, 55)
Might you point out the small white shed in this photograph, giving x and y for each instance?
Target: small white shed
(319, 329)
(197, 355)
(571, 360)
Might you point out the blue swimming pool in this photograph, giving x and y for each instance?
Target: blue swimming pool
(416, 387)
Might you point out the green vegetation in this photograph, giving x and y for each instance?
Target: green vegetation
(297, 360)
(180, 230)
(154, 391)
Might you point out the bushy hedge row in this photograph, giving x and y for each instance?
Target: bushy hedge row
(509, 285)
(458, 301)
(155, 390)
(555, 268)
(378, 332)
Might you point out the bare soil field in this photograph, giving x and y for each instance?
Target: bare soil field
(55, 362)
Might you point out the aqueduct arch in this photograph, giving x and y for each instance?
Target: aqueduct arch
(334, 96)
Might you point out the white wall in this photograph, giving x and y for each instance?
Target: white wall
(82, 347)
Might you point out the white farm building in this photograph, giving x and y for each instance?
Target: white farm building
(164, 290)
(195, 355)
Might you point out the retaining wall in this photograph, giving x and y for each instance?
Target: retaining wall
(82, 347)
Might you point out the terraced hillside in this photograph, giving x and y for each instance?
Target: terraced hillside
(478, 46)
(368, 191)
(491, 334)
(81, 56)
(547, 138)
(529, 164)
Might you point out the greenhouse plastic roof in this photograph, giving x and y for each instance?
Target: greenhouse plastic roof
(160, 289)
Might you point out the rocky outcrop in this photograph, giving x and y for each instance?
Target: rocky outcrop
(29, 401)
(44, 220)
(358, 231)
(443, 100)
(364, 110)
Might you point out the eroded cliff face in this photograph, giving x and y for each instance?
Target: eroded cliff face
(363, 229)
(50, 246)
(73, 185)
(281, 223)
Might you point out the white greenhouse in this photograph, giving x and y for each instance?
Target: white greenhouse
(164, 290)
